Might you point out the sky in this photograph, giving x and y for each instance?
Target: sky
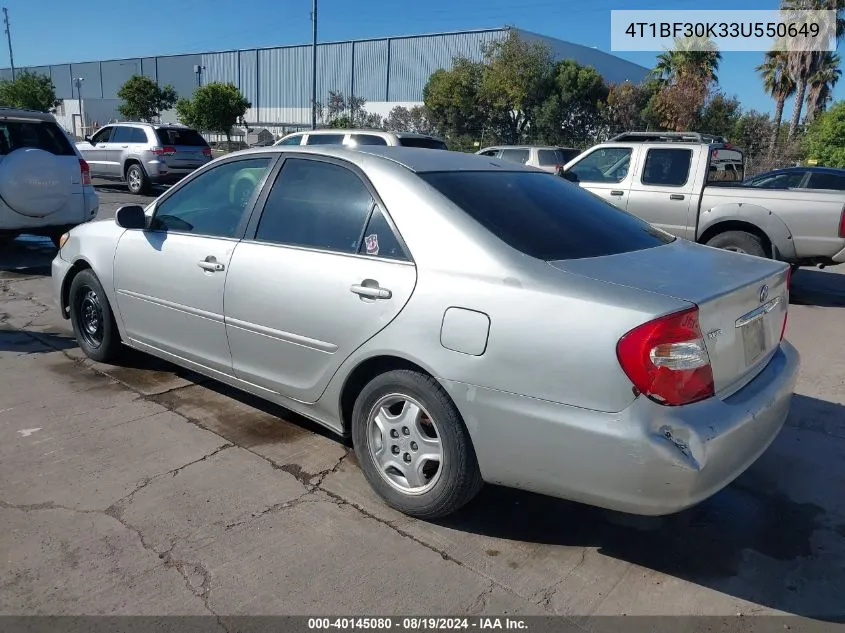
(60, 31)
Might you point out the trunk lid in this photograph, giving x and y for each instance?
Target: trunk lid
(742, 300)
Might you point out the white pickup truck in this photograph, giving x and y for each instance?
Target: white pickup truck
(685, 184)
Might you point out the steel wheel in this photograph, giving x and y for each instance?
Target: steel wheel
(91, 318)
(405, 444)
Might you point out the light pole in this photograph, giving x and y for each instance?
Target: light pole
(198, 70)
(314, 66)
(9, 38)
(78, 82)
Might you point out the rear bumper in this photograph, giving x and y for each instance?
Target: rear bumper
(647, 460)
(839, 258)
(162, 174)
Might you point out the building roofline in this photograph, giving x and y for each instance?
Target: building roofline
(267, 48)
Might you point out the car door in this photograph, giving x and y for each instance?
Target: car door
(320, 271)
(606, 172)
(664, 192)
(96, 152)
(116, 146)
(169, 279)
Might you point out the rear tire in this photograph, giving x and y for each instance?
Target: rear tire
(92, 318)
(405, 418)
(739, 242)
(137, 180)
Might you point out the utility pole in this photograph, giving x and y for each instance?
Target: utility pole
(314, 67)
(9, 39)
(198, 70)
(78, 81)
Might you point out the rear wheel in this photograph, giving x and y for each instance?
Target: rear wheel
(739, 242)
(413, 446)
(92, 318)
(136, 179)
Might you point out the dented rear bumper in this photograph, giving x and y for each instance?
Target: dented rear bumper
(647, 460)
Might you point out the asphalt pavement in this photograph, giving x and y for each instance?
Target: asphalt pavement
(146, 489)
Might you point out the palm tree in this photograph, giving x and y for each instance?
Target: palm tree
(826, 72)
(779, 84)
(698, 56)
(802, 62)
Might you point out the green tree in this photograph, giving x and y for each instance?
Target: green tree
(30, 91)
(680, 103)
(215, 107)
(144, 100)
(779, 84)
(453, 99)
(825, 139)
(719, 115)
(571, 113)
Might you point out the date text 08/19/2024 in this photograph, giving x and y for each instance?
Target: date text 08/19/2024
(416, 623)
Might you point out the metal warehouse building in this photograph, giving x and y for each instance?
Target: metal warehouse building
(277, 81)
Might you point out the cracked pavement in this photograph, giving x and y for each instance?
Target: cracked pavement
(144, 489)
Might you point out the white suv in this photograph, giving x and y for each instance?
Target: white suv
(361, 137)
(45, 185)
(547, 158)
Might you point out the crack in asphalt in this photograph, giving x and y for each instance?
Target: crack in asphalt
(549, 592)
(478, 605)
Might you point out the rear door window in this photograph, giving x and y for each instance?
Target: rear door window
(380, 240)
(422, 142)
(367, 139)
(826, 181)
(516, 155)
(121, 134)
(44, 135)
(180, 136)
(556, 219)
(547, 157)
(779, 181)
(138, 135)
(326, 139)
(667, 167)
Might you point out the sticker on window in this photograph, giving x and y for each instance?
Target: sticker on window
(371, 242)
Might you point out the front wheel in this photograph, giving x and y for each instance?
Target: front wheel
(739, 242)
(92, 318)
(136, 179)
(413, 446)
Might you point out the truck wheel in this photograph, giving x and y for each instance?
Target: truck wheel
(739, 242)
(136, 179)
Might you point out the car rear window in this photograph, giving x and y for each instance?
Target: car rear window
(421, 141)
(544, 216)
(822, 180)
(43, 135)
(180, 136)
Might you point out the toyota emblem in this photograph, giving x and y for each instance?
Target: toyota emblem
(764, 293)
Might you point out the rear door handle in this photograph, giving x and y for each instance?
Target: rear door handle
(211, 264)
(616, 192)
(124, 146)
(676, 196)
(371, 292)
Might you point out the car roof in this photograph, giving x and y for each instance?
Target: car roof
(415, 159)
(818, 170)
(362, 131)
(23, 113)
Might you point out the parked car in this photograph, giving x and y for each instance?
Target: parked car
(362, 137)
(676, 182)
(550, 159)
(144, 154)
(800, 178)
(465, 319)
(45, 185)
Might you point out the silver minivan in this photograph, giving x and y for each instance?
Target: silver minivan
(547, 158)
(362, 137)
(144, 154)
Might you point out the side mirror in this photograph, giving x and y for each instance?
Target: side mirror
(87, 139)
(131, 216)
(568, 175)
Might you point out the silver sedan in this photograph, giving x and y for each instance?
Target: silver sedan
(464, 319)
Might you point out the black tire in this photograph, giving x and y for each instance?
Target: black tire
(87, 297)
(740, 242)
(7, 238)
(137, 180)
(458, 479)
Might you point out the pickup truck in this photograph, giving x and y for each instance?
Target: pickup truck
(686, 184)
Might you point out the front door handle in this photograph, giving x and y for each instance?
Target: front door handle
(676, 196)
(371, 290)
(616, 192)
(211, 264)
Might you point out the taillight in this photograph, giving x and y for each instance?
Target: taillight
(667, 359)
(206, 151)
(85, 170)
(163, 151)
(842, 223)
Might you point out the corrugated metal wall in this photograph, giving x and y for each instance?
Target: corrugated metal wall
(277, 81)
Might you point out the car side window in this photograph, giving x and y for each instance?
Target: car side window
(122, 134)
(516, 155)
(490, 152)
(292, 140)
(102, 136)
(326, 139)
(367, 139)
(317, 205)
(668, 167)
(826, 181)
(213, 203)
(608, 164)
(380, 239)
(780, 181)
(138, 135)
